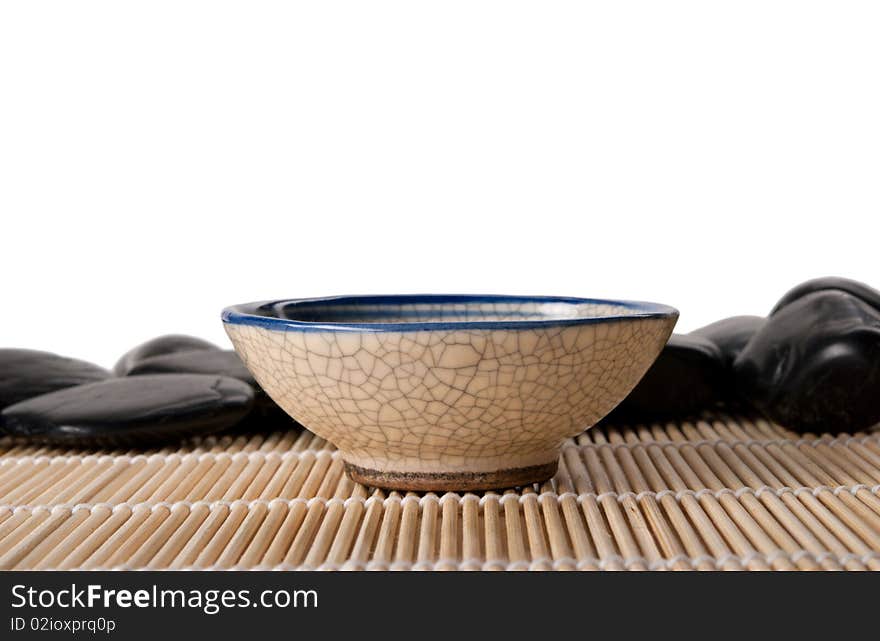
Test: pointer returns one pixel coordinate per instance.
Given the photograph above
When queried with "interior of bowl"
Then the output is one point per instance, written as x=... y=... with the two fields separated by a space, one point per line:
x=431 y=309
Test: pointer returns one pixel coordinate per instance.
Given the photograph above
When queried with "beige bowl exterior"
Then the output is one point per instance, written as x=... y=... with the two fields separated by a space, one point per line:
x=452 y=409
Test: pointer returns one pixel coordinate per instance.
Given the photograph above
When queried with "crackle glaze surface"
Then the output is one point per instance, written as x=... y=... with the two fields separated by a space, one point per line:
x=439 y=397
x=457 y=399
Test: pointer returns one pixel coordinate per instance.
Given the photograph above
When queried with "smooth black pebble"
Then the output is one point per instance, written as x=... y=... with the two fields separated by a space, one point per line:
x=25 y=373
x=688 y=377
x=168 y=344
x=815 y=365
x=221 y=363
x=731 y=334
x=864 y=292
x=146 y=410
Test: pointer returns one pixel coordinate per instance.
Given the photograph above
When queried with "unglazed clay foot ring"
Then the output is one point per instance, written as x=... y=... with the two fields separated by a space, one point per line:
x=453 y=481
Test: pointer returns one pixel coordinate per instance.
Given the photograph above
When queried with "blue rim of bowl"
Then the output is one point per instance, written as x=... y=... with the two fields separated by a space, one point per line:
x=254 y=314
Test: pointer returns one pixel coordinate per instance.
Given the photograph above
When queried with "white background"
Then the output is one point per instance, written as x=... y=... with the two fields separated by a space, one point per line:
x=160 y=160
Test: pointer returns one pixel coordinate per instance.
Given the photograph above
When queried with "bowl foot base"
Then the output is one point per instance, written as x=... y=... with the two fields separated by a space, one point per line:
x=452 y=481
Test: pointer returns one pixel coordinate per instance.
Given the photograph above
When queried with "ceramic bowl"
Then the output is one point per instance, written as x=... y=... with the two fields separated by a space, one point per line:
x=448 y=392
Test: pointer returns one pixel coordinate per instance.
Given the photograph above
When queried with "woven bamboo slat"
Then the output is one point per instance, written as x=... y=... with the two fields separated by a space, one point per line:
x=725 y=492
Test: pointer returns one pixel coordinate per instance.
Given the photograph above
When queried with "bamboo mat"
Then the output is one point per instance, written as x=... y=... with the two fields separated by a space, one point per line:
x=718 y=493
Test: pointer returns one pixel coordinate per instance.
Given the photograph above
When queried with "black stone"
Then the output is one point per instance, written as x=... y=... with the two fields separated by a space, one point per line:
x=815 y=365
x=162 y=345
x=220 y=363
x=25 y=373
x=217 y=362
x=731 y=334
x=146 y=410
x=830 y=283
x=687 y=378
